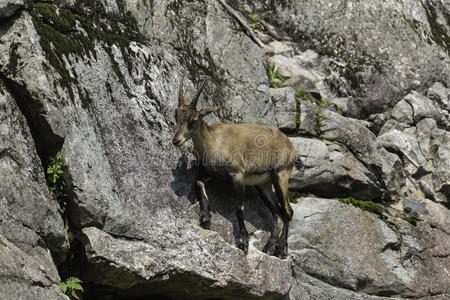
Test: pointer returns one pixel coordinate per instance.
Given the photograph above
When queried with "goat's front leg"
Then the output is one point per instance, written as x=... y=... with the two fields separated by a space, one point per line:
x=205 y=213
x=239 y=190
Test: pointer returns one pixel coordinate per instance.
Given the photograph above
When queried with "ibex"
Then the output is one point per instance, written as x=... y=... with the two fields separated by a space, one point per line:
x=248 y=154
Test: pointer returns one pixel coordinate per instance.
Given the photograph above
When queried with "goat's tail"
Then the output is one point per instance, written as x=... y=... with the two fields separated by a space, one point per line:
x=298 y=163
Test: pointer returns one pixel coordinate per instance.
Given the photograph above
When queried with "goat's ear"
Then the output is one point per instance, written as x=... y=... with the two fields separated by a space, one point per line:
x=208 y=110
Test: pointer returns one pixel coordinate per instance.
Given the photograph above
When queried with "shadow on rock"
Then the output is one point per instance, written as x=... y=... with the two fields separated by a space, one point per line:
x=222 y=203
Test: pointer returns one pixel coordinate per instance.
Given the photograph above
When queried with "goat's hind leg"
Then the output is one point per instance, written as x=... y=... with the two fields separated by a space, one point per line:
x=266 y=194
x=239 y=190
x=280 y=181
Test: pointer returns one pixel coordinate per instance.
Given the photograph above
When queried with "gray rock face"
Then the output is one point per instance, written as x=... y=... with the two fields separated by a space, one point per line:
x=223 y=268
x=363 y=144
x=424 y=151
x=333 y=171
x=27 y=274
x=9 y=7
x=285 y=106
x=374 y=48
x=30 y=224
x=415 y=107
x=440 y=94
x=98 y=81
x=114 y=115
x=350 y=252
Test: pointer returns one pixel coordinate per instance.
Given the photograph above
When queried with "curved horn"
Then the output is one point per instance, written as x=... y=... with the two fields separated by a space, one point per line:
x=181 y=92
x=193 y=104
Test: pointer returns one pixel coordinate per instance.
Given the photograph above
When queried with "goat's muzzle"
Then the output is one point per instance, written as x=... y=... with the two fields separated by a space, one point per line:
x=177 y=142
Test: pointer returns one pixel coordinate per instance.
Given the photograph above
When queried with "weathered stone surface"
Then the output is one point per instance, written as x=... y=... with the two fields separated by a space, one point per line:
x=439 y=93
x=27 y=274
x=285 y=107
x=214 y=43
x=362 y=143
x=225 y=271
x=407 y=147
x=306 y=287
x=114 y=117
x=302 y=71
x=415 y=107
x=385 y=167
x=434 y=144
x=377 y=50
x=25 y=201
x=105 y=98
x=349 y=248
x=332 y=171
x=9 y=7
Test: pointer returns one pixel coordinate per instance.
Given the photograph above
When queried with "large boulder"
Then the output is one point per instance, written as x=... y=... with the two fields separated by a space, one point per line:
x=415 y=107
x=331 y=170
x=350 y=251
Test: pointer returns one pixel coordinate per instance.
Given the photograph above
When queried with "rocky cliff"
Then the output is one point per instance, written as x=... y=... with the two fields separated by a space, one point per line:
x=91 y=186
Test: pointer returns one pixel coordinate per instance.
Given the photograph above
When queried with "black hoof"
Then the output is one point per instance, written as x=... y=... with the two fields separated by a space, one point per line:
x=205 y=217
x=242 y=244
x=283 y=254
x=269 y=248
x=280 y=251
x=205 y=225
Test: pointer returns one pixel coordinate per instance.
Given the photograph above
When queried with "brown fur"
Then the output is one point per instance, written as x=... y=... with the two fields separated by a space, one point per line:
x=248 y=154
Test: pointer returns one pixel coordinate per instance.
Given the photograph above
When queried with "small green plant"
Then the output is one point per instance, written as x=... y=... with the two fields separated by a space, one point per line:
x=319 y=117
x=255 y=21
x=364 y=205
x=293 y=196
x=72 y=284
x=302 y=94
x=413 y=221
x=275 y=74
x=329 y=103
x=55 y=176
x=298 y=118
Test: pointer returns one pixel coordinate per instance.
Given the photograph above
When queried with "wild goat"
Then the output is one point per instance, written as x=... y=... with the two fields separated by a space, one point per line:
x=248 y=154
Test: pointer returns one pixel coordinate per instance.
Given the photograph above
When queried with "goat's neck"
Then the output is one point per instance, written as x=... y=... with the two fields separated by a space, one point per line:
x=201 y=138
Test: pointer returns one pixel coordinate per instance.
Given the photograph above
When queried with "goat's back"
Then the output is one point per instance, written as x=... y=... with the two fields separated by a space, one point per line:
x=259 y=148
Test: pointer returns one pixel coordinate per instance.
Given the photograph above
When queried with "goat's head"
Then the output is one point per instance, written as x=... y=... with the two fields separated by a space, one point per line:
x=187 y=115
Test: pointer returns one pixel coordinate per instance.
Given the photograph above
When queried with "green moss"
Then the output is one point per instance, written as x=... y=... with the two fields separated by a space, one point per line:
x=58 y=18
x=60 y=36
x=293 y=196
x=302 y=94
x=413 y=221
x=364 y=205
x=53 y=27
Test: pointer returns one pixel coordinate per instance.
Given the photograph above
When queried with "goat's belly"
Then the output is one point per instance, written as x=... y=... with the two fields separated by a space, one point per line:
x=256 y=179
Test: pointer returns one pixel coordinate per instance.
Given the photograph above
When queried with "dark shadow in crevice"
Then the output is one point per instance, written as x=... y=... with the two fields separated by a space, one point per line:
x=8 y=22
x=47 y=142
